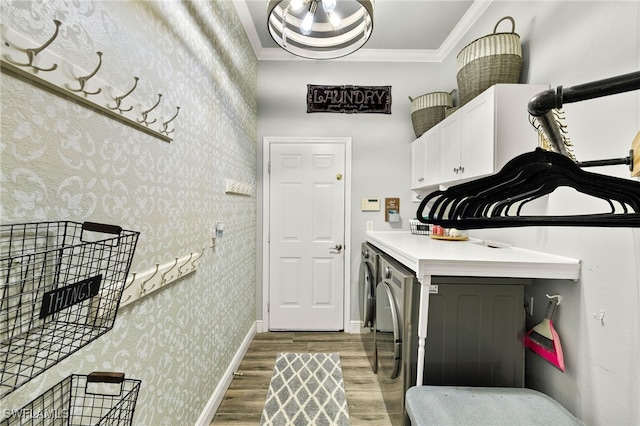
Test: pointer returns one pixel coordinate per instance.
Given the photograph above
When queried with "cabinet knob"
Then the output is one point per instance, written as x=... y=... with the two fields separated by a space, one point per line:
x=461 y=169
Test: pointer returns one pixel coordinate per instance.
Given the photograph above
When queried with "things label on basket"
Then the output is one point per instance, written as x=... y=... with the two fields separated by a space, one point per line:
x=61 y=298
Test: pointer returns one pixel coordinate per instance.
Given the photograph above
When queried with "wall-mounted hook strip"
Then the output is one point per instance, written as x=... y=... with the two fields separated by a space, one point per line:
x=193 y=263
x=164 y=279
x=83 y=80
x=32 y=53
x=119 y=99
x=556 y=296
x=166 y=123
x=126 y=286
x=183 y=265
x=145 y=114
x=143 y=289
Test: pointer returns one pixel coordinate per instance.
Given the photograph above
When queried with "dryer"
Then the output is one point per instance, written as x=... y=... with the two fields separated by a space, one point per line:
x=368 y=279
x=393 y=325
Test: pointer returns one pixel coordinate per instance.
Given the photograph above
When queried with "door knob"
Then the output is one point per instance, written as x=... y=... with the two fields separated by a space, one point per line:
x=337 y=247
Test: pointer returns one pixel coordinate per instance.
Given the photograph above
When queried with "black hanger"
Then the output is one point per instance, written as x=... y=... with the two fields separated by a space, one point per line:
x=487 y=202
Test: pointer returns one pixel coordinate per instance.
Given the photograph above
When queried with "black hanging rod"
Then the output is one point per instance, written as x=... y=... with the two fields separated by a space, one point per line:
x=550 y=99
x=611 y=162
x=542 y=104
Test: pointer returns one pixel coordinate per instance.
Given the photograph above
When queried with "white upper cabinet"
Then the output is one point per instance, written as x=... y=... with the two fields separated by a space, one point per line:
x=425 y=159
x=477 y=139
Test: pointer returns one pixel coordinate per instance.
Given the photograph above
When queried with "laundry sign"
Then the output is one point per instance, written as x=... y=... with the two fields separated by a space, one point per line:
x=349 y=99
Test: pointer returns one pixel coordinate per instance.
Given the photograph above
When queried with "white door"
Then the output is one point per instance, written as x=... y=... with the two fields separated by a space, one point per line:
x=306 y=236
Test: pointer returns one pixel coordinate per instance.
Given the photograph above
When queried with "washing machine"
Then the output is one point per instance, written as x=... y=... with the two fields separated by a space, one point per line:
x=366 y=293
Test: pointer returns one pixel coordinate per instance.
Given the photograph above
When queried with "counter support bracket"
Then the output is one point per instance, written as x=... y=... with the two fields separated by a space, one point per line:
x=423 y=318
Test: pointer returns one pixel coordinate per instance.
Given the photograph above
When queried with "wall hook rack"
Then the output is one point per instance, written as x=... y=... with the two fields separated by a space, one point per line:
x=193 y=263
x=87 y=90
x=183 y=265
x=127 y=286
x=143 y=289
x=158 y=276
x=119 y=99
x=33 y=52
x=166 y=123
x=164 y=279
x=145 y=114
x=83 y=80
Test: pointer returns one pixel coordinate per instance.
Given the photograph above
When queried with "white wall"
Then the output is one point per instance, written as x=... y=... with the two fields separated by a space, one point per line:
x=570 y=43
x=380 y=143
x=564 y=43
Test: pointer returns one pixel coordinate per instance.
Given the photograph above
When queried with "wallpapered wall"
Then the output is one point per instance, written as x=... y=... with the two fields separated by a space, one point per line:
x=63 y=161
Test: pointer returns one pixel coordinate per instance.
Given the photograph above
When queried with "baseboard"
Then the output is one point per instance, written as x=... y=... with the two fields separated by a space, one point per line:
x=259 y=325
x=218 y=394
x=355 y=327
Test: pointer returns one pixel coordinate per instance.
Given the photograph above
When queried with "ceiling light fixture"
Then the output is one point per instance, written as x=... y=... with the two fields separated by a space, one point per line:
x=338 y=28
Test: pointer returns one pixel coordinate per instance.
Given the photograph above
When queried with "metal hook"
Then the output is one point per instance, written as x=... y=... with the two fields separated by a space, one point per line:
x=83 y=80
x=599 y=316
x=133 y=278
x=32 y=53
x=143 y=290
x=166 y=123
x=183 y=265
x=164 y=280
x=119 y=99
x=193 y=264
x=557 y=296
x=146 y=113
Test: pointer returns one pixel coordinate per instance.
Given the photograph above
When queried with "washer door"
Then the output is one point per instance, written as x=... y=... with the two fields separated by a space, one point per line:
x=367 y=301
x=388 y=332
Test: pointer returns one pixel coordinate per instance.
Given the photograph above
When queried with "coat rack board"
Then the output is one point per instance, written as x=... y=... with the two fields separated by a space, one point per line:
x=46 y=69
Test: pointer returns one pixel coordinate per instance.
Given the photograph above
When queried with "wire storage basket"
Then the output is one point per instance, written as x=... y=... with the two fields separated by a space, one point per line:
x=492 y=59
x=60 y=288
x=418 y=228
x=98 y=398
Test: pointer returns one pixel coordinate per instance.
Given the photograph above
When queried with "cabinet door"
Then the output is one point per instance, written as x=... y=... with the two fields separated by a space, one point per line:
x=477 y=142
x=450 y=148
x=418 y=152
x=433 y=154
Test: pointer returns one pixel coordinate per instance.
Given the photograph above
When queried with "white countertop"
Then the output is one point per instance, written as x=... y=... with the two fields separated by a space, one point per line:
x=427 y=256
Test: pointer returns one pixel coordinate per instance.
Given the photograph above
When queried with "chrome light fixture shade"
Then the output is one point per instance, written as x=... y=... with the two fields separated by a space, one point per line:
x=333 y=33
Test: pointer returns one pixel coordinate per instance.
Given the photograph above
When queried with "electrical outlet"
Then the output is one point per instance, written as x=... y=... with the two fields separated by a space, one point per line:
x=528 y=304
x=369 y=225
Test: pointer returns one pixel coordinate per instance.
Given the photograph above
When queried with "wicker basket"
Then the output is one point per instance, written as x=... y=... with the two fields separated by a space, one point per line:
x=449 y=111
x=428 y=110
x=489 y=60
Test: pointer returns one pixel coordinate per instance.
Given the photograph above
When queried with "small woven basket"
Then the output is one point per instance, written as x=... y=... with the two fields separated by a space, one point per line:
x=492 y=59
x=449 y=111
x=428 y=110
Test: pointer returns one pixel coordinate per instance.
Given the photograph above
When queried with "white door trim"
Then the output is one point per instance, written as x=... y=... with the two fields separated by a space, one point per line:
x=266 y=142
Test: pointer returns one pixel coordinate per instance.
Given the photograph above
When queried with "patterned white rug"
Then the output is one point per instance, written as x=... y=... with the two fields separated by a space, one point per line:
x=306 y=389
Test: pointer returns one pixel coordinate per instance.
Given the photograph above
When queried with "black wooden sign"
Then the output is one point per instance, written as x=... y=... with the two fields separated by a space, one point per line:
x=61 y=298
x=349 y=99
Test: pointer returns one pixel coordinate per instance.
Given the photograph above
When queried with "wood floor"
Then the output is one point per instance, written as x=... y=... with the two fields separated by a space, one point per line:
x=243 y=402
